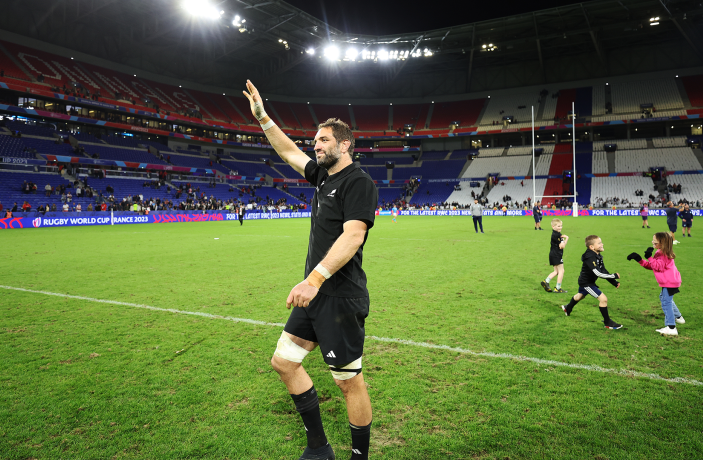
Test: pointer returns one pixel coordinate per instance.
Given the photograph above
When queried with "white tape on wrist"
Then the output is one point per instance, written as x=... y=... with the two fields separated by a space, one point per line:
x=270 y=124
x=323 y=271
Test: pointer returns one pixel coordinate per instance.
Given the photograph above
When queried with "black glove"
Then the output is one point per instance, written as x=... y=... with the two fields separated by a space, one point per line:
x=648 y=252
x=634 y=256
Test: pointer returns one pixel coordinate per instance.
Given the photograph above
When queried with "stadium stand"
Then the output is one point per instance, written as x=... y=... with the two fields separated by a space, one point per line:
x=287 y=171
x=378 y=172
x=598 y=100
x=30 y=129
x=302 y=113
x=122 y=154
x=251 y=169
x=443 y=169
x=691 y=187
x=398 y=160
x=14 y=147
x=403 y=174
x=11 y=189
x=197 y=162
x=465 y=112
x=517 y=190
x=11 y=69
x=500 y=106
x=694 y=89
x=600 y=163
x=308 y=192
x=490 y=152
x=325 y=111
x=56 y=70
x=286 y=115
x=623 y=144
x=481 y=167
x=410 y=114
x=551 y=102
x=662 y=93
x=622 y=187
x=542 y=165
x=434 y=155
x=674 y=141
x=210 y=103
x=228 y=107
x=85 y=137
x=47 y=146
x=439 y=192
x=520 y=150
x=371 y=117
x=389 y=194
x=673 y=159
x=463 y=196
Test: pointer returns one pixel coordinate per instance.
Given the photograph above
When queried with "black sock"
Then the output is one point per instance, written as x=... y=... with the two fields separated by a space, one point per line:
x=604 y=312
x=361 y=438
x=672 y=327
x=571 y=305
x=308 y=406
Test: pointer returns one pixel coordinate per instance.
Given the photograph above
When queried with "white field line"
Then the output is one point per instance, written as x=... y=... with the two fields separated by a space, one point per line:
x=486 y=354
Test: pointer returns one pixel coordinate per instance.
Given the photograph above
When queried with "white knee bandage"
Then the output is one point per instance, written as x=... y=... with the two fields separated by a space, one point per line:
x=346 y=372
x=288 y=350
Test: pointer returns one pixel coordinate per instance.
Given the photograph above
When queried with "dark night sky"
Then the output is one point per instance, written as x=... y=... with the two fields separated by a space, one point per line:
x=379 y=17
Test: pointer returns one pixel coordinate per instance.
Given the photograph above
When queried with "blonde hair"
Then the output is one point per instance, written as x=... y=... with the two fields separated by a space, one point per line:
x=666 y=244
x=556 y=221
x=590 y=239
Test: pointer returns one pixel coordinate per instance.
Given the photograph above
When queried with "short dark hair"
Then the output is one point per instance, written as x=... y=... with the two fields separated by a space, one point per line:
x=590 y=240
x=341 y=132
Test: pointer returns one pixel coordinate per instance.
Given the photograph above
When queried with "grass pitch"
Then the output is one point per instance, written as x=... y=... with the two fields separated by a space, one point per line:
x=87 y=380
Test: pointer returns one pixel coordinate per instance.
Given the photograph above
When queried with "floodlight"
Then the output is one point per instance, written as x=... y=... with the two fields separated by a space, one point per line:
x=352 y=53
x=310 y=51
x=202 y=9
x=332 y=52
x=484 y=46
x=383 y=55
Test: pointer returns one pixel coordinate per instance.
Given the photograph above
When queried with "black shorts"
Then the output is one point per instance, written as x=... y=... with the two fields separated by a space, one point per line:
x=591 y=290
x=644 y=217
x=335 y=323
x=555 y=259
x=688 y=224
x=672 y=228
x=538 y=219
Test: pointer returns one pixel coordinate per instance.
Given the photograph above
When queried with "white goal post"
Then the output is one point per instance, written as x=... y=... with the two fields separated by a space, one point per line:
x=536 y=197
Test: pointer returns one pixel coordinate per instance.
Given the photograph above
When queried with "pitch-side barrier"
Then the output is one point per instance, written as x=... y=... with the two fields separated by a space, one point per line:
x=82 y=219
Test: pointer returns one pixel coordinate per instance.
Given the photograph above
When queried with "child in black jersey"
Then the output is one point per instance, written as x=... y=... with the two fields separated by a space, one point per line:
x=556 y=257
x=591 y=270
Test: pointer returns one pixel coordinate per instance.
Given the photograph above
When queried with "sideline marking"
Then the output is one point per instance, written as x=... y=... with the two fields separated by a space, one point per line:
x=586 y=367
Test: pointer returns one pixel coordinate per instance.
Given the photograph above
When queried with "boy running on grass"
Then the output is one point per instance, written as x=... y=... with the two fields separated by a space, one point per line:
x=556 y=257
x=591 y=270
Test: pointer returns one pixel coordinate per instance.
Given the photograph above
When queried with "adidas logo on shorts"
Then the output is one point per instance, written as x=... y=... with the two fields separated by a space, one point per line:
x=356 y=451
x=331 y=354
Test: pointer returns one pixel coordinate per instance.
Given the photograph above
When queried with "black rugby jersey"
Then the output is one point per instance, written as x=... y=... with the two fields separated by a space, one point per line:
x=593 y=268
x=554 y=248
x=348 y=195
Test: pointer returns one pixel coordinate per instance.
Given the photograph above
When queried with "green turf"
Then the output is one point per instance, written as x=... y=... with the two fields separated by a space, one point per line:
x=87 y=380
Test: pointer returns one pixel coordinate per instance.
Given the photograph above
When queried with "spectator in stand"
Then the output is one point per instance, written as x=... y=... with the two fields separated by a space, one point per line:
x=90 y=208
x=65 y=207
x=78 y=207
x=1 y=207
x=69 y=197
x=26 y=207
x=53 y=207
x=103 y=207
x=14 y=208
x=47 y=189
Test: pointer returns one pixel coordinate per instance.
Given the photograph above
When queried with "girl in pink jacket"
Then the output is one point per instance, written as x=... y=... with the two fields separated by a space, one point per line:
x=668 y=277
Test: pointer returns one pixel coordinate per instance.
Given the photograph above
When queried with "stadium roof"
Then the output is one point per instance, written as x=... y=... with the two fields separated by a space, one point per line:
x=574 y=42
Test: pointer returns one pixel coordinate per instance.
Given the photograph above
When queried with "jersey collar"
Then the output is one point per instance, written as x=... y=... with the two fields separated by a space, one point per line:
x=343 y=173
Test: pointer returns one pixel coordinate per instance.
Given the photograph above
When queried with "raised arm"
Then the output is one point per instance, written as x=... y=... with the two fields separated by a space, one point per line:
x=286 y=149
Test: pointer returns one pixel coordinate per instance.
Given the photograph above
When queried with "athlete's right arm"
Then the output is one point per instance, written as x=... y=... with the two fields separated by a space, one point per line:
x=286 y=149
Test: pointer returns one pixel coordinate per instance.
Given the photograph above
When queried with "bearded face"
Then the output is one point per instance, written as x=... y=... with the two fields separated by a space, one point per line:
x=329 y=156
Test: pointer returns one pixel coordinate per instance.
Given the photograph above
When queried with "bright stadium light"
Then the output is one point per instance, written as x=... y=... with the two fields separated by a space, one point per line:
x=351 y=54
x=310 y=51
x=383 y=55
x=332 y=53
x=202 y=9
